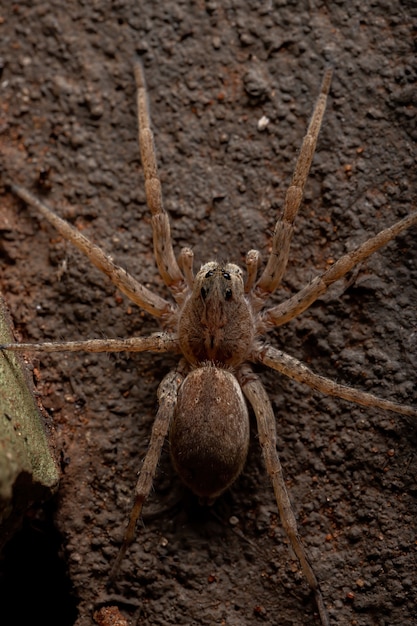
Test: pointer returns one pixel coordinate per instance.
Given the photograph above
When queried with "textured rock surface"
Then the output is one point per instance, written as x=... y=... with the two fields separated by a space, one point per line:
x=214 y=70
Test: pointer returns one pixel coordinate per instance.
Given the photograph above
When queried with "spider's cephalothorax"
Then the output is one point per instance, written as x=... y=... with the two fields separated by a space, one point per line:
x=214 y=324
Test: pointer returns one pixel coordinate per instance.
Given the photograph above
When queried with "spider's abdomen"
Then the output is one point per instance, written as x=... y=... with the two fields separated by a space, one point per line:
x=216 y=323
x=209 y=435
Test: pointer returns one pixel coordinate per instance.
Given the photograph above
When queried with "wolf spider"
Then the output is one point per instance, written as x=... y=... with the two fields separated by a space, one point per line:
x=217 y=323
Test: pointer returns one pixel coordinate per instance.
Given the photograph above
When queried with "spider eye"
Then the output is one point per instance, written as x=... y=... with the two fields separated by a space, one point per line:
x=209 y=274
x=228 y=294
x=226 y=275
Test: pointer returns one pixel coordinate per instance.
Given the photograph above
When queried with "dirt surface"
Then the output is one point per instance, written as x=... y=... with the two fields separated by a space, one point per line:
x=68 y=122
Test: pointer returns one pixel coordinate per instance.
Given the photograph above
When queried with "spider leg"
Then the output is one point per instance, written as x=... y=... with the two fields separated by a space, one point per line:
x=167 y=397
x=135 y=291
x=253 y=259
x=278 y=258
x=164 y=254
x=278 y=315
x=258 y=398
x=158 y=342
x=185 y=261
x=291 y=367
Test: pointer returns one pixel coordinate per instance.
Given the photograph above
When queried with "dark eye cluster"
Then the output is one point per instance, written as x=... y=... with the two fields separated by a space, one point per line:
x=228 y=292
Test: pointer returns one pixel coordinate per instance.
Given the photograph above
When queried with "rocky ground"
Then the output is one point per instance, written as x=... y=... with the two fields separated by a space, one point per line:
x=69 y=131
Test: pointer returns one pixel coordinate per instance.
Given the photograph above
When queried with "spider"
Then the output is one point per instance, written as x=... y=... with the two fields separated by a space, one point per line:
x=217 y=323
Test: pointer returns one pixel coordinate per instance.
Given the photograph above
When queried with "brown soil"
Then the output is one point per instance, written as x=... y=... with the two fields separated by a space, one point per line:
x=68 y=124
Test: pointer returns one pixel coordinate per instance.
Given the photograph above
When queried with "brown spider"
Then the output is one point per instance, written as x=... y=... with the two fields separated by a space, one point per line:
x=216 y=324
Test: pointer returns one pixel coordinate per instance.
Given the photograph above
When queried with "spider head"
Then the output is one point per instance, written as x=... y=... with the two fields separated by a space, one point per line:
x=216 y=322
x=216 y=283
